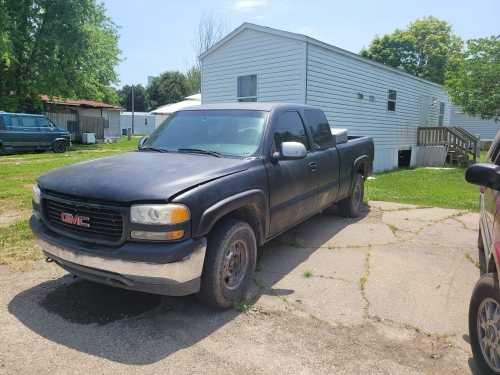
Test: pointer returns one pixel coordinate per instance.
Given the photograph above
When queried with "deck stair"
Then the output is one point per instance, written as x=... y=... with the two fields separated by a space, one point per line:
x=462 y=146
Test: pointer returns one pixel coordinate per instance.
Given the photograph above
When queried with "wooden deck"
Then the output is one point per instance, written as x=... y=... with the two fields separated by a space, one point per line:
x=460 y=144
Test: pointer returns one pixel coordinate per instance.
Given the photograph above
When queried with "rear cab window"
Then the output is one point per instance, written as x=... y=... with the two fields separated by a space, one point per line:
x=319 y=129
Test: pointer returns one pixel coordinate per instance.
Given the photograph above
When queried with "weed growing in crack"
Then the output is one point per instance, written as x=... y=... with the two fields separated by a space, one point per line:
x=308 y=274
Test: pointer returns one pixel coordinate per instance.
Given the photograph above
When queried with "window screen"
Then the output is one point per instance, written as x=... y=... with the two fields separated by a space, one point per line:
x=247 y=88
x=319 y=127
x=290 y=128
x=391 y=100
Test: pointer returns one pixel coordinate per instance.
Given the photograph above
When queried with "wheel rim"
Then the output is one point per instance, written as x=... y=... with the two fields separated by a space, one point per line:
x=235 y=264
x=488 y=330
x=59 y=147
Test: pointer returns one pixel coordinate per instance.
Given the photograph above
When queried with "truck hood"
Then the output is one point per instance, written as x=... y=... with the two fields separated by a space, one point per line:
x=139 y=176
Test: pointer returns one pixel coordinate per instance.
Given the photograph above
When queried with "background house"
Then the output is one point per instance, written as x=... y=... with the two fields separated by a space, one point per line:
x=80 y=116
x=144 y=122
x=166 y=110
x=256 y=63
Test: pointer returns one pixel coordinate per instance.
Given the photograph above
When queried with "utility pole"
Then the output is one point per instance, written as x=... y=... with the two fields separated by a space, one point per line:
x=133 y=108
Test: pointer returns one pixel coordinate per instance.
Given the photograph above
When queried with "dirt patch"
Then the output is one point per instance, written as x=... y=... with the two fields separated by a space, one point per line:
x=12 y=216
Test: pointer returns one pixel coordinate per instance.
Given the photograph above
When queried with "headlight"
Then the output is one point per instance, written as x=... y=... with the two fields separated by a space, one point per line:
x=36 y=194
x=159 y=214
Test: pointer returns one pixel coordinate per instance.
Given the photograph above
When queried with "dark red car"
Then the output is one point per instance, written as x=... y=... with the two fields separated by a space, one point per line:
x=484 y=309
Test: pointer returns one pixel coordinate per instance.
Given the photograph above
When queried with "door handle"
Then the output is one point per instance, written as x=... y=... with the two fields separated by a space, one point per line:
x=313 y=166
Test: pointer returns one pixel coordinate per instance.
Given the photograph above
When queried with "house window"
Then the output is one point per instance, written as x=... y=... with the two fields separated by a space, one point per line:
x=247 y=88
x=391 y=100
x=441 y=113
x=371 y=99
x=360 y=96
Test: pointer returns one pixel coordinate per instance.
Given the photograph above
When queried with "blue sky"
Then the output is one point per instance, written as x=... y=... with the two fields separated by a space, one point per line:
x=158 y=35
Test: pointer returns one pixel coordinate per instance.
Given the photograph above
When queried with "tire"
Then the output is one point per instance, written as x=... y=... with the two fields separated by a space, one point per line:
x=60 y=147
x=485 y=294
x=218 y=289
x=481 y=255
x=351 y=206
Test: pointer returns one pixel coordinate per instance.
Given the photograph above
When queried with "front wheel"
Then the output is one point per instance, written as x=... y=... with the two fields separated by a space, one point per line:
x=229 y=264
x=484 y=324
x=60 y=146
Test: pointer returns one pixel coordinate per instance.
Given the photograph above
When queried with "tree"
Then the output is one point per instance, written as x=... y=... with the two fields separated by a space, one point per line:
x=473 y=78
x=140 y=102
x=65 y=48
x=423 y=49
x=168 y=87
x=210 y=30
x=193 y=78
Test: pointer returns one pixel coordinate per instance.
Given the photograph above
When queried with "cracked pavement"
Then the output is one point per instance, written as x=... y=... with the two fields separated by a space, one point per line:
x=386 y=293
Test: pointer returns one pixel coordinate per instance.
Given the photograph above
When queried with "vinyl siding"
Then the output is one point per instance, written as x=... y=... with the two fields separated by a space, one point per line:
x=333 y=83
x=278 y=62
x=485 y=129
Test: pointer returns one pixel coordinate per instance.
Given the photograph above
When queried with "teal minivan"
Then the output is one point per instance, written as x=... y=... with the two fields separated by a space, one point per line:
x=25 y=132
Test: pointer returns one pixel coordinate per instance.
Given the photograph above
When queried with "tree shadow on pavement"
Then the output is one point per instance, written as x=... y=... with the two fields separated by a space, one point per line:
x=138 y=328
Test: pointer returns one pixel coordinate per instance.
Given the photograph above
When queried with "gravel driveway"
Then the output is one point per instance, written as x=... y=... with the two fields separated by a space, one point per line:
x=384 y=294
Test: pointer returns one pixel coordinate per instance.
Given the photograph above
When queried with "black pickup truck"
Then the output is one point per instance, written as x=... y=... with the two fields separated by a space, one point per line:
x=186 y=212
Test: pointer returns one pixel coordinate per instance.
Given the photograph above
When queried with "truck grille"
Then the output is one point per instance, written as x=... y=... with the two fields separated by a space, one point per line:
x=101 y=224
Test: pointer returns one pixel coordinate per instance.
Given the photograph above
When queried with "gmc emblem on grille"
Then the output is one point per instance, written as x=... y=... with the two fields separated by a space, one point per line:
x=81 y=221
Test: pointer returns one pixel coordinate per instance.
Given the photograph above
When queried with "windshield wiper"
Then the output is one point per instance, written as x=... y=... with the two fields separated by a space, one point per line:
x=153 y=149
x=199 y=151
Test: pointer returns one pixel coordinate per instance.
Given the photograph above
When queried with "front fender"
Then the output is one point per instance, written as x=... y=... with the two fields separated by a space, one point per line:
x=253 y=199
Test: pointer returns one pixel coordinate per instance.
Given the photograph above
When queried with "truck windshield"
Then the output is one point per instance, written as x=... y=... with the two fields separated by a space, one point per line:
x=217 y=132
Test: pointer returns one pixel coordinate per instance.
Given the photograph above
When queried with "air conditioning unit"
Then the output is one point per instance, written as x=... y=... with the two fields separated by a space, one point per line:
x=88 y=138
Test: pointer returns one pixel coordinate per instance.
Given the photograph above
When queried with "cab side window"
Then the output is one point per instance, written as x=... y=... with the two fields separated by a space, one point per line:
x=12 y=122
x=43 y=122
x=319 y=129
x=29 y=122
x=290 y=128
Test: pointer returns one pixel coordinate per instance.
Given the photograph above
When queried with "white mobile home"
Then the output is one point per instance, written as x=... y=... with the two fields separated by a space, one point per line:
x=256 y=63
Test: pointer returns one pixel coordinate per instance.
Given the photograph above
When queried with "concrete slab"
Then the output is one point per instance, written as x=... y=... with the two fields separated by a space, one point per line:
x=389 y=206
x=428 y=288
x=384 y=294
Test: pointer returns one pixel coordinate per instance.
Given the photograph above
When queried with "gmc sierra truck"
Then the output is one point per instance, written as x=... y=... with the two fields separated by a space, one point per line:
x=187 y=211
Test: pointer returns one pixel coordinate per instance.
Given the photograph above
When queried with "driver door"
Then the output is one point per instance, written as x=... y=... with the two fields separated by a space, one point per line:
x=290 y=199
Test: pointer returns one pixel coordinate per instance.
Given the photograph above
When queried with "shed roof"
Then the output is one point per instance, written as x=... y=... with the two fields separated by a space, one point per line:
x=308 y=39
x=79 y=103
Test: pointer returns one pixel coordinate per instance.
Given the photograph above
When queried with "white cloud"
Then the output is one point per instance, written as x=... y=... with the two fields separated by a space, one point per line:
x=249 y=5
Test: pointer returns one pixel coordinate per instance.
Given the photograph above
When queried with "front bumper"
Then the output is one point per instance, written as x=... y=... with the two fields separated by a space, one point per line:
x=160 y=274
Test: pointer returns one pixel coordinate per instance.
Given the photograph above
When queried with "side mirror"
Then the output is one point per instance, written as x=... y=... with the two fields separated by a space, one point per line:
x=484 y=174
x=291 y=151
x=141 y=142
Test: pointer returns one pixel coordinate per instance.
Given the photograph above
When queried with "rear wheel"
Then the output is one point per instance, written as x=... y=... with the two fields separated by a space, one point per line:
x=60 y=146
x=229 y=264
x=484 y=324
x=351 y=206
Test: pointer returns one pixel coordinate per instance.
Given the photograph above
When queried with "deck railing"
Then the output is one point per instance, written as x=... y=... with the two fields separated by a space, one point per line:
x=450 y=136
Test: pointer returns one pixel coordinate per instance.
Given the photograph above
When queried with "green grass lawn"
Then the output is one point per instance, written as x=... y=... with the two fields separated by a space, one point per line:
x=425 y=187
x=17 y=176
